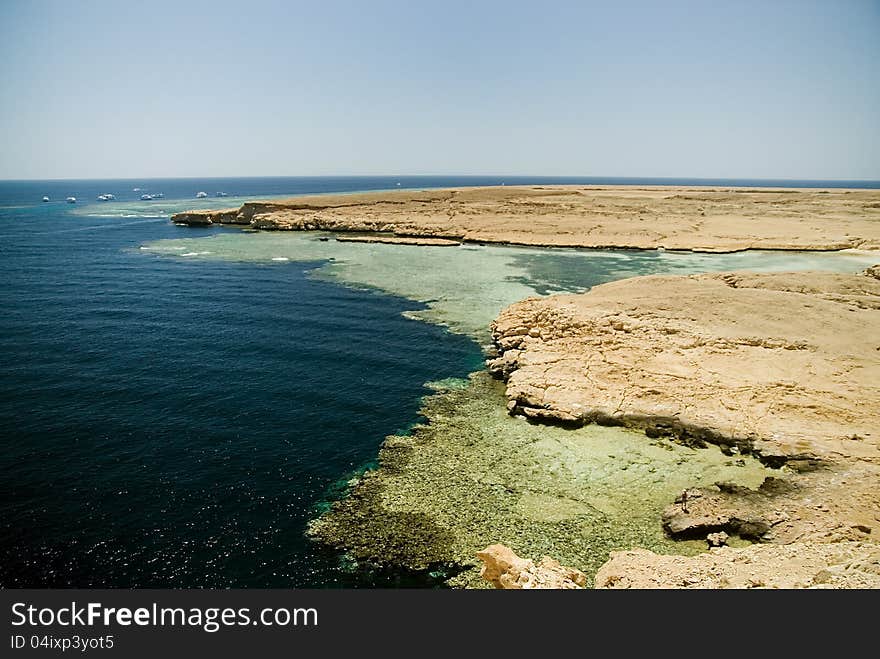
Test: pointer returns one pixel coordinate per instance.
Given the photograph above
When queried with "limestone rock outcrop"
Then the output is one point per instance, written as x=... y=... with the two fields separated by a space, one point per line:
x=504 y=569
x=784 y=364
x=799 y=565
x=698 y=219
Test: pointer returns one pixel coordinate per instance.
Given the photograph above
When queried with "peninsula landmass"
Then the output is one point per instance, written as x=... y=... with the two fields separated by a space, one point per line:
x=675 y=218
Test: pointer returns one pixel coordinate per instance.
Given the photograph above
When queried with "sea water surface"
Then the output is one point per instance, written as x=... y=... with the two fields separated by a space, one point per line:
x=176 y=403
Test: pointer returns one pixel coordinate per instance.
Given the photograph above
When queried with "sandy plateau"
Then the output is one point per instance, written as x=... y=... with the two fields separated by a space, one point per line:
x=699 y=219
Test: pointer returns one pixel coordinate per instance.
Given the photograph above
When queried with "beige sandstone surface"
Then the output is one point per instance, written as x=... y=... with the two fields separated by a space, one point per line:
x=797 y=565
x=785 y=366
x=800 y=565
x=505 y=570
x=689 y=218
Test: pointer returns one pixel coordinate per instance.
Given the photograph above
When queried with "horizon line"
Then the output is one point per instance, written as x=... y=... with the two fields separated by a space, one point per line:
x=490 y=175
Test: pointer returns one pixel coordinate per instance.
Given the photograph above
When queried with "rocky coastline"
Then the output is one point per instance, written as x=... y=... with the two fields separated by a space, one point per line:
x=781 y=364
x=684 y=362
x=697 y=219
x=784 y=367
x=472 y=475
x=622 y=431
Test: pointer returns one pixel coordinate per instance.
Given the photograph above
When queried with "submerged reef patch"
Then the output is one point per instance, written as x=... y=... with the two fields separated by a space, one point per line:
x=473 y=476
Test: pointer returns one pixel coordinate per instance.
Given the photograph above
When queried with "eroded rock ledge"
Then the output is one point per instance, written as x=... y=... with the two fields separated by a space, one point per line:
x=786 y=365
x=686 y=218
x=799 y=565
x=505 y=570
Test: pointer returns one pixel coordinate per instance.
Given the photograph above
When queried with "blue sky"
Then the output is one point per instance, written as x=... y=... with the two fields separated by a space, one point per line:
x=692 y=89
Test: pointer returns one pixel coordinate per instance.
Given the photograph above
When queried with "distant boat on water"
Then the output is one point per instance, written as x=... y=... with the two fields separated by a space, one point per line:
x=106 y=197
x=201 y=195
x=71 y=200
x=159 y=195
x=146 y=197
x=135 y=189
x=222 y=194
x=45 y=198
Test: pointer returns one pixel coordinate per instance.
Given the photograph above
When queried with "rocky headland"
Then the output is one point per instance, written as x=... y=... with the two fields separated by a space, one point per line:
x=659 y=415
x=785 y=367
x=681 y=218
x=714 y=430
x=783 y=364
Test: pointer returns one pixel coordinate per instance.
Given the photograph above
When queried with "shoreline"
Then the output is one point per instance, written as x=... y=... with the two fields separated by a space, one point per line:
x=812 y=502
x=459 y=482
x=390 y=518
x=676 y=218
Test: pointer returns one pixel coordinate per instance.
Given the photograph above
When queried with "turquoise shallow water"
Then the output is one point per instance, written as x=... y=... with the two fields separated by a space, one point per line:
x=173 y=421
x=464 y=288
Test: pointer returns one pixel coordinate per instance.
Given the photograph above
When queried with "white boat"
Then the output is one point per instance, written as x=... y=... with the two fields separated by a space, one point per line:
x=222 y=194
x=201 y=195
x=45 y=198
x=146 y=197
x=135 y=189
x=106 y=197
x=71 y=200
x=159 y=195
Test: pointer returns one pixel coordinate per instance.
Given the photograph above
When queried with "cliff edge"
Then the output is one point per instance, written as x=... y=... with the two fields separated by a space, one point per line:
x=784 y=366
x=684 y=218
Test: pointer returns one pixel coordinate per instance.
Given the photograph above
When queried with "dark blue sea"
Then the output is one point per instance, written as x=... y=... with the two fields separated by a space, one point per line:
x=172 y=423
